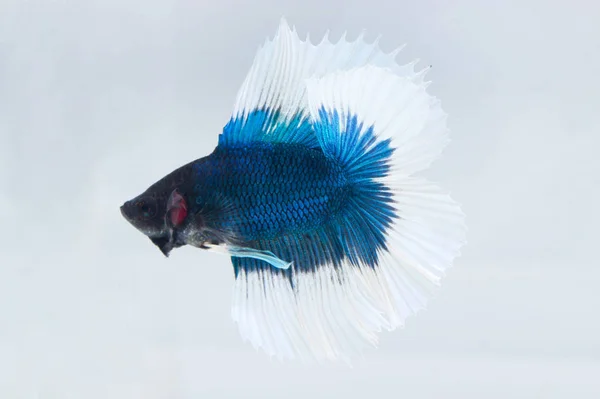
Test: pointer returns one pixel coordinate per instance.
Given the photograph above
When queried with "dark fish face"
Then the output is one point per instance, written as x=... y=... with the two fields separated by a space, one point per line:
x=146 y=213
x=159 y=216
x=161 y=212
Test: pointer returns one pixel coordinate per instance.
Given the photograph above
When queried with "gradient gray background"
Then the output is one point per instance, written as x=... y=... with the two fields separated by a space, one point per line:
x=98 y=99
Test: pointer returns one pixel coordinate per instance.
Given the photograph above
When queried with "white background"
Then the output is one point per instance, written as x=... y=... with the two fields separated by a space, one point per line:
x=99 y=99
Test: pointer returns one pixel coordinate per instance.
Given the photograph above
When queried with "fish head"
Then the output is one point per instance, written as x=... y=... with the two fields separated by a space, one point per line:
x=172 y=212
x=146 y=213
x=158 y=215
x=161 y=211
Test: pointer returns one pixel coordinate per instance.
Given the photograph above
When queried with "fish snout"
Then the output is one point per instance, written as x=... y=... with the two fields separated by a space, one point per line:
x=125 y=210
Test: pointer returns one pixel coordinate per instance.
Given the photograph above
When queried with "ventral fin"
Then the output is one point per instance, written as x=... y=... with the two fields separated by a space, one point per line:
x=163 y=243
x=267 y=256
x=240 y=253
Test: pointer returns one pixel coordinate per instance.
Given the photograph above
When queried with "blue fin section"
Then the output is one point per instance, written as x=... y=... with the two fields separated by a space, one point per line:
x=356 y=236
x=362 y=155
x=352 y=237
x=269 y=126
x=250 y=265
x=306 y=252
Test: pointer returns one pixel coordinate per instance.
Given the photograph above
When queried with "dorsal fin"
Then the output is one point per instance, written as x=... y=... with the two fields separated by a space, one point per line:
x=272 y=105
x=268 y=125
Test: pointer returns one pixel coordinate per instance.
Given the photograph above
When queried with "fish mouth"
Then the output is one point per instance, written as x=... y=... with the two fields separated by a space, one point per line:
x=124 y=213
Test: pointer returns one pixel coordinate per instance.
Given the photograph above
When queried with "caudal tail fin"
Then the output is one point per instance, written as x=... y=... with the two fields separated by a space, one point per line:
x=383 y=128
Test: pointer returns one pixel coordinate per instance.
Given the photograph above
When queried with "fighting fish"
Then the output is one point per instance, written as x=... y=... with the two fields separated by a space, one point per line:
x=313 y=193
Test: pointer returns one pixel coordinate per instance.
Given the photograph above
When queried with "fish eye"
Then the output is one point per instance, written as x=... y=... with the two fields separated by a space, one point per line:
x=146 y=208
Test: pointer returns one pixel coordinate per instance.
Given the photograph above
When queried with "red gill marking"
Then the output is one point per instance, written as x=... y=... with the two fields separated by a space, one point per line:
x=178 y=215
x=177 y=208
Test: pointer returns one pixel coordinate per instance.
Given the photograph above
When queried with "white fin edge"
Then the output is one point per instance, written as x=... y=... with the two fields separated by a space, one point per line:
x=398 y=107
x=276 y=79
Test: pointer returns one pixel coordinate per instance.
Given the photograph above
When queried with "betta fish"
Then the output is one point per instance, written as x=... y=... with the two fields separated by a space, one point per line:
x=312 y=193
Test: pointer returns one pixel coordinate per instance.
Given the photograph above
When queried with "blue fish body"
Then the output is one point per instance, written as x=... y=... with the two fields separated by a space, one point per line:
x=283 y=197
x=311 y=192
x=277 y=189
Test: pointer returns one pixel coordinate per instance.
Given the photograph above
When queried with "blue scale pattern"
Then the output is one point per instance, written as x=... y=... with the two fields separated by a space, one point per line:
x=274 y=189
